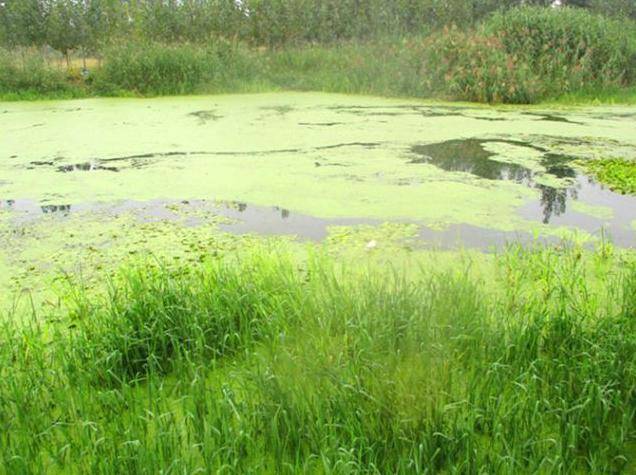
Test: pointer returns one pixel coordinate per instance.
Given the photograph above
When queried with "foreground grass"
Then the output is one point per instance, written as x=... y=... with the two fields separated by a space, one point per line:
x=269 y=365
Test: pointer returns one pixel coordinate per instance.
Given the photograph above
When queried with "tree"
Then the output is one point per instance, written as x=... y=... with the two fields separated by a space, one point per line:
x=65 y=26
x=23 y=22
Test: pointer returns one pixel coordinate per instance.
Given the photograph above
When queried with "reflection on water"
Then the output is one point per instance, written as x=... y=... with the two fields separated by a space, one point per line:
x=284 y=213
x=248 y=219
x=553 y=201
x=470 y=156
x=29 y=207
x=242 y=208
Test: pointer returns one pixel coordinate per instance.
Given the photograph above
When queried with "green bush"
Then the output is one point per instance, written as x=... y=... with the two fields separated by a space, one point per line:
x=526 y=54
x=160 y=69
x=570 y=48
x=474 y=67
x=28 y=74
x=619 y=174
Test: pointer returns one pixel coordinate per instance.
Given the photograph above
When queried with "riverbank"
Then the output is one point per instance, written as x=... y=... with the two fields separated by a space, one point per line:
x=571 y=57
x=388 y=68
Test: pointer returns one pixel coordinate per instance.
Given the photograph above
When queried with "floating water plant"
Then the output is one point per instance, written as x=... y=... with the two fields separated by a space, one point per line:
x=618 y=174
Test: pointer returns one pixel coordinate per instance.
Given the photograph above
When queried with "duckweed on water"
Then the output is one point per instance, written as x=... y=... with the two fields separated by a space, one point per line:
x=271 y=364
x=357 y=166
x=325 y=160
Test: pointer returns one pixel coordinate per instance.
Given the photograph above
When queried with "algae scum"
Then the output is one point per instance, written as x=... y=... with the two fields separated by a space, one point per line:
x=74 y=174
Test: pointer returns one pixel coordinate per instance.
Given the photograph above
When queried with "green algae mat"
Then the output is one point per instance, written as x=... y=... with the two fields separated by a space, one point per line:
x=84 y=183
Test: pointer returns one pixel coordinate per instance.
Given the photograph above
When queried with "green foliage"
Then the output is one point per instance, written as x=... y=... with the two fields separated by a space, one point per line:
x=270 y=365
x=569 y=48
x=188 y=21
x=383 y=67
x=155 y=69
x=520 y=55
x=528 y=54
x=618 y=174
x=278 y=22
x=66 y=29
x=159 y=317
x=595 y=96
x=23 y=23
x=474 y=67
x=28 y=74
x=615 y=8
x=88 y=23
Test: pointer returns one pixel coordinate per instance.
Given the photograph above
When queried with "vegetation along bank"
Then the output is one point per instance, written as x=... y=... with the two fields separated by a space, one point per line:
x=482 y=51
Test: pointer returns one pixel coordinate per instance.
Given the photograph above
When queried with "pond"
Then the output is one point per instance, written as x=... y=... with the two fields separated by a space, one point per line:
x=301 y=163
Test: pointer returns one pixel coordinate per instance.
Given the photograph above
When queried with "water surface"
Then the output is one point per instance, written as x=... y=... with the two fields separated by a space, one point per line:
x=301 y=163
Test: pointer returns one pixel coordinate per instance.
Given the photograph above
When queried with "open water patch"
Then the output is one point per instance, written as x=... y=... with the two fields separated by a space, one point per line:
x=553 y=205
x=241 y=218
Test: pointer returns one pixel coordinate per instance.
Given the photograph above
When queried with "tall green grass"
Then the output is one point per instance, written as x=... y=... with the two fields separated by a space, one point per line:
x=523 y=55
x=270 y=365
x=26 y=74
x=163 y=69
x=388 y=66
x=570 y=47
x=385 y=67
x=529 y=54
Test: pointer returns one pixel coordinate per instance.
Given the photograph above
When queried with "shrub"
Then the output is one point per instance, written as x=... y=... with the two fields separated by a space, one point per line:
x=159 y=69
x=569 y=47
x=526 y=54
x=28 y=73
x=474 y=67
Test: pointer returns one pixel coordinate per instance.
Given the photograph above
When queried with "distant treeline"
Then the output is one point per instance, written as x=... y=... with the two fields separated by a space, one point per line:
x=89 y=25
x=484 y=51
